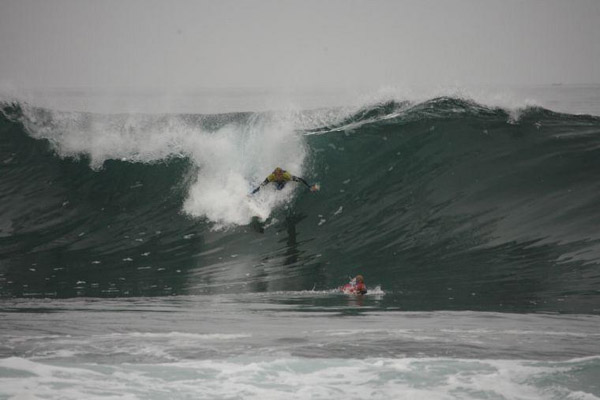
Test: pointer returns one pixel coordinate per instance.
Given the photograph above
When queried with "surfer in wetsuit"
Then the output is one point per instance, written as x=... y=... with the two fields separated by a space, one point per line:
x=356 y=286
x=280 y=177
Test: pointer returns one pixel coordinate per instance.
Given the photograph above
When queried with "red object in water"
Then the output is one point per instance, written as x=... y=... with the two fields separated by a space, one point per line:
x=358 y=288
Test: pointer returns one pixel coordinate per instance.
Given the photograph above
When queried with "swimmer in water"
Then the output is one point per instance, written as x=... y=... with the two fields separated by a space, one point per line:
x=355 y=286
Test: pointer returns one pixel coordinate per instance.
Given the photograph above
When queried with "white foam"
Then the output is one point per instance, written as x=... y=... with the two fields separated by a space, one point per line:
x=235 y=160
x=229 y=162
x=295 y=378
x=185 y=335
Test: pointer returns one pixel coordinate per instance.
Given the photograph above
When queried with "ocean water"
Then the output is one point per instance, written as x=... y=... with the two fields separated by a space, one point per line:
x=134 y=265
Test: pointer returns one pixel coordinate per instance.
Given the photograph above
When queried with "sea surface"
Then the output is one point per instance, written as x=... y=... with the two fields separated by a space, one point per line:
x=134 y=264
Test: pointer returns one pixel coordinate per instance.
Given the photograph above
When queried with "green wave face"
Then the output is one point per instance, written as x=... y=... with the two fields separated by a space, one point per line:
x=444 y=204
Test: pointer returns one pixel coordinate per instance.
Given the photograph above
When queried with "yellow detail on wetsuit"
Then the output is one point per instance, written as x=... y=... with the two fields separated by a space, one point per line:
x=286 y=176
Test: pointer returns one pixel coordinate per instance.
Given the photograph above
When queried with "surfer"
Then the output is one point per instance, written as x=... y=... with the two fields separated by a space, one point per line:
x=280 y=177
x=355 y=286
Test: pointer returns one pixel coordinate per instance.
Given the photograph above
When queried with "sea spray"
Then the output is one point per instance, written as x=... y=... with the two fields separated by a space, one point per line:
x=228 y=158
x=234 y=160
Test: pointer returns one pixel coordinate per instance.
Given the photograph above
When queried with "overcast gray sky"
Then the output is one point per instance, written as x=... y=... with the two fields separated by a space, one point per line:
x=297 y=44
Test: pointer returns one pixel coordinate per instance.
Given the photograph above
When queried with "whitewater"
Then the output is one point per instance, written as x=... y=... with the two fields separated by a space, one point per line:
x=135 y=265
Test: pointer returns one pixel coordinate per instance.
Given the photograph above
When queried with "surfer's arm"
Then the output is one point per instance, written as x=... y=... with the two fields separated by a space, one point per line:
x=261 y=185
x=298 y=179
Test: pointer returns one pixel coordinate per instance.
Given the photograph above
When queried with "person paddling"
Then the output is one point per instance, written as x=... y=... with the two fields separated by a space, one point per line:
x=355 y=286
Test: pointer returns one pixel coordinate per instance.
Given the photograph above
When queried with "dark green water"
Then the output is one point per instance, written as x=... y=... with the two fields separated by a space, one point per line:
x=445 y=204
